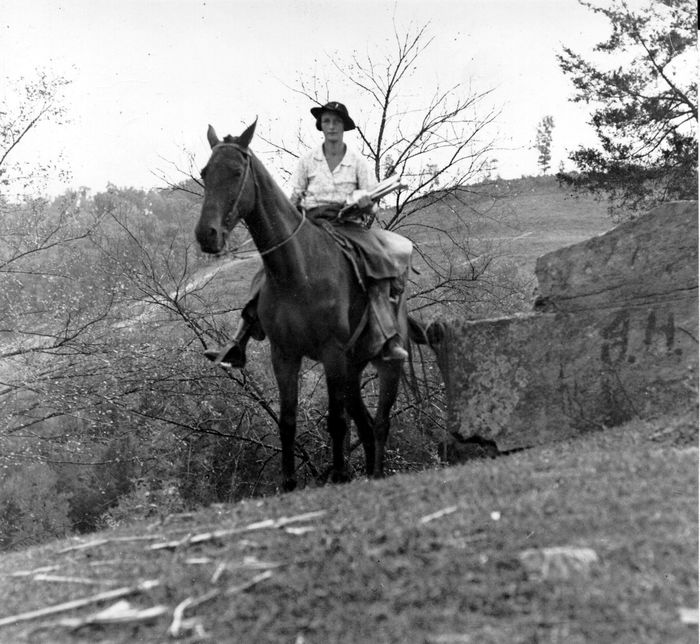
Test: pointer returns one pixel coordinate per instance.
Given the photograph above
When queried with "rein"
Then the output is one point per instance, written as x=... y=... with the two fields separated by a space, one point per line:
x=246 y=153
x=284 y=241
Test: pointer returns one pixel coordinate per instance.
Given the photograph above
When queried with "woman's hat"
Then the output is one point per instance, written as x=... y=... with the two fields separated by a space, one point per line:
x=337 y=108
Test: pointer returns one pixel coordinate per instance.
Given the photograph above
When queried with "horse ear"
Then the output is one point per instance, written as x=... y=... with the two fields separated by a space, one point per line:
x=211 y=136
x=247 y=136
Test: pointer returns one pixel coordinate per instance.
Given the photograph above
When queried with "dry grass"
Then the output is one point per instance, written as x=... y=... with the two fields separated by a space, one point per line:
x=369 y=569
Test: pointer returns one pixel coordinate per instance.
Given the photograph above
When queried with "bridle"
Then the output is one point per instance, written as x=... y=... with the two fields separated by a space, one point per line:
x=246 y=153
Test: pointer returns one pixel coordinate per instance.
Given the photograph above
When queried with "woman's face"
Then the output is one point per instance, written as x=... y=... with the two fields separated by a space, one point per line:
x=332 y=127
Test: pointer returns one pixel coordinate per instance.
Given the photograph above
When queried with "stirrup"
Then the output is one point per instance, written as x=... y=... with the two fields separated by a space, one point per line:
x=230 y=355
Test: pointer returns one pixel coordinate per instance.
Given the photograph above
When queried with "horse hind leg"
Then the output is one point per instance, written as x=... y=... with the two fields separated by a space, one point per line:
x=363 y=419
x=389 y=377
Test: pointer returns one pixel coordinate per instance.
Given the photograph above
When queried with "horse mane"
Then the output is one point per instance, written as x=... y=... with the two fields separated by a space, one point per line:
x=262 y=172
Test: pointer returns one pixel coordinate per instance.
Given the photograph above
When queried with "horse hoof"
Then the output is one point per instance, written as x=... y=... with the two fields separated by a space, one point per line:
x=234 y=357
x=340 y=477
x=289 y=485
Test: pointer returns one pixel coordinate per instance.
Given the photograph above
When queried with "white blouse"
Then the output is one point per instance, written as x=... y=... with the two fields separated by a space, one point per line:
x=313 y=183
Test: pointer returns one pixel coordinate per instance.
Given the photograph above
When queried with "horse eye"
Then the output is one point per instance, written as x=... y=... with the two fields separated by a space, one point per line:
x=202 y=172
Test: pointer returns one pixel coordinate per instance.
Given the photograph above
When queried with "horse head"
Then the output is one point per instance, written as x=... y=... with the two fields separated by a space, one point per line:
x=229 y=190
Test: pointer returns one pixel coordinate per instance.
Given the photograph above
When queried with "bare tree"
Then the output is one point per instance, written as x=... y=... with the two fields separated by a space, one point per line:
x=435 y=138
x=22 y=112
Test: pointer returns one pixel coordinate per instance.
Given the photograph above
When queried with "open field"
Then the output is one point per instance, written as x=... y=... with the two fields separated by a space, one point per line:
x=519 y=219
x=381 y=563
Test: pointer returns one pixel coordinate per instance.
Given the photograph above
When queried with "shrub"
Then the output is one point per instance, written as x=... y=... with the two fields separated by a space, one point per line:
x=143 y=502
x=93 y=489
x=32 y=509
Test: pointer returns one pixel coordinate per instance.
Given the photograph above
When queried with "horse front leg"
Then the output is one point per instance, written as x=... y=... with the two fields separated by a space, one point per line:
x=286 y=370
x=363 y=419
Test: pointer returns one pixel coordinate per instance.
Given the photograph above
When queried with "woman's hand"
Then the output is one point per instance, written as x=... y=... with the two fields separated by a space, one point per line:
x=361 y=200
x=364 y=202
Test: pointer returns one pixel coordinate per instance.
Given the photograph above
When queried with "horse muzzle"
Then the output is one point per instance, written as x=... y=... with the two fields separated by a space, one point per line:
x=214 y=226
x=212 y=239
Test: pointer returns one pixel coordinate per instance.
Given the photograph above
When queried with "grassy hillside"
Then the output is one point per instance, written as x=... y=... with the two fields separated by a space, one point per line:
x=521 y=219
x=455 y=555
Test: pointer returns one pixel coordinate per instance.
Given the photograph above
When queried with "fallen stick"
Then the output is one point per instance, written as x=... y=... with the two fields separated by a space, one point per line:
x=253 y=563
x=101 y=542
x=120 y=613
x=198 y=561
x=439 y=514
x=176 y=627
x=298 y=531
x=248 y=563
x=220 y=569
x=68 y=580
x=232 y=590
x=36 y=571
x=219 y=534
x=79 y=603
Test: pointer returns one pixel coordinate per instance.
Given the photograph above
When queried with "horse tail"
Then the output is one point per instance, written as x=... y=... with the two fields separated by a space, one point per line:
x=417 y=333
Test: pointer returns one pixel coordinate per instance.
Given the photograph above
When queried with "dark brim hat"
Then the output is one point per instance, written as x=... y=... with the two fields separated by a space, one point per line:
x=336 y=108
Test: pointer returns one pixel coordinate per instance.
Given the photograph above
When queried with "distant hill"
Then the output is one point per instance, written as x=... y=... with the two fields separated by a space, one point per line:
x=523 y=218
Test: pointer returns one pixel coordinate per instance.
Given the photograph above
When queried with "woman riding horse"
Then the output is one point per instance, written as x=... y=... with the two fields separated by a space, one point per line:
x=327 y=179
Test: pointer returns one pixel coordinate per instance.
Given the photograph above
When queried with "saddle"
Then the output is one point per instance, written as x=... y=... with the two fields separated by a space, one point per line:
x=374 y=254
x=348 y=249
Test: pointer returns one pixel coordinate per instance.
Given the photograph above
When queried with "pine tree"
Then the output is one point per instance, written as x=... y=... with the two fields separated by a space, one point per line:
x=644 y=93
x=543 y=143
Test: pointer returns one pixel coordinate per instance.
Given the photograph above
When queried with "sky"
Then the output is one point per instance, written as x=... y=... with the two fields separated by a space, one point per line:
x=148 y=76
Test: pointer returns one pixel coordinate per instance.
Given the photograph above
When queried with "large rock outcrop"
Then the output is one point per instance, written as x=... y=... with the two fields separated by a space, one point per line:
x=614 y=335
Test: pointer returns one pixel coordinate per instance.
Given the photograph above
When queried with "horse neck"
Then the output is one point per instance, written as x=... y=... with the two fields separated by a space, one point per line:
x=274 y=221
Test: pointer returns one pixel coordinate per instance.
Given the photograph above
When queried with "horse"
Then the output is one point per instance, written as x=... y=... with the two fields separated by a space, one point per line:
x=311 y=304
